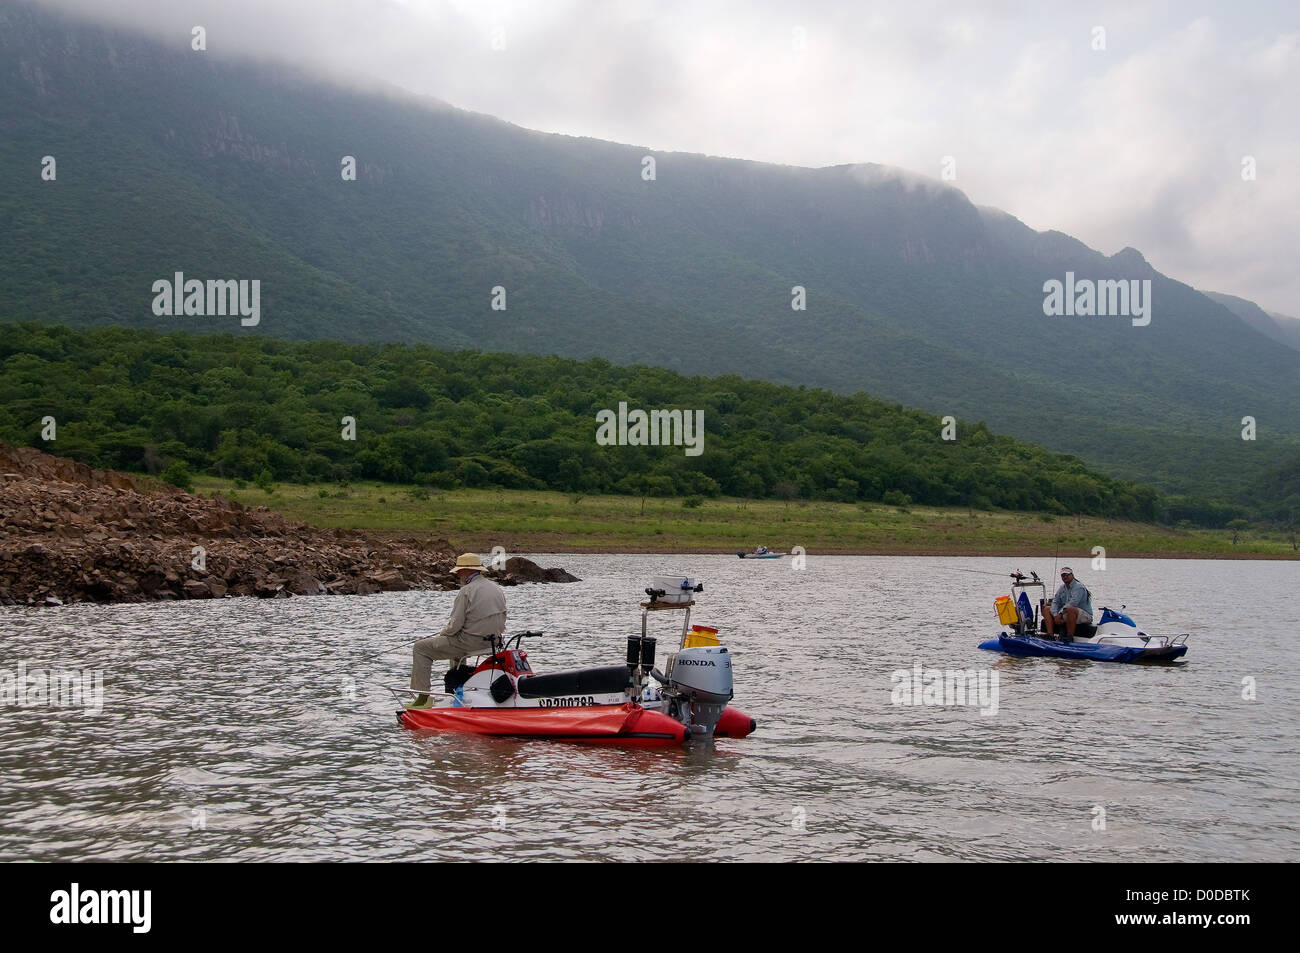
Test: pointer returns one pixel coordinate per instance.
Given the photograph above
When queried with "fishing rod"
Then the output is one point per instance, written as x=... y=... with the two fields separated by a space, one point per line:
x=1043 y=609
x=393 y=648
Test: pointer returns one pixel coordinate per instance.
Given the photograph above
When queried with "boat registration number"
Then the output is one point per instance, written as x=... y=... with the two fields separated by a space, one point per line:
x=575 y=701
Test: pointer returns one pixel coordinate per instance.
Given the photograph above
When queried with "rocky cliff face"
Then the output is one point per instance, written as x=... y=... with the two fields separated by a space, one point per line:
x=72 y=534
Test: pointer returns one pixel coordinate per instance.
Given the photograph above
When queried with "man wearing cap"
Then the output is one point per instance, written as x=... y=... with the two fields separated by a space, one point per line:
x=478 y=613
x=1072 y=605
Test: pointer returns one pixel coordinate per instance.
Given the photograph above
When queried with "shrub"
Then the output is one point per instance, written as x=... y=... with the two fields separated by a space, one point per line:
x=178 y=474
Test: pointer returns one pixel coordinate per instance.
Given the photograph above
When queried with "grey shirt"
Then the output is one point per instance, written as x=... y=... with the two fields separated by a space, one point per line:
x=479 y=609
x=1075 y=594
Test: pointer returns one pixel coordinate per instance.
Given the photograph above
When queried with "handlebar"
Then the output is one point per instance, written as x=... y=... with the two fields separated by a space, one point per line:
x=530 y=634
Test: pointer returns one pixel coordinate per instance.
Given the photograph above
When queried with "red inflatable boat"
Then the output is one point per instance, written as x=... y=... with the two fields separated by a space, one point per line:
x=616 y=704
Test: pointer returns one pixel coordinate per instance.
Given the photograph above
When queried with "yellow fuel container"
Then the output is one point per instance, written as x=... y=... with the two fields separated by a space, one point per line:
x=1006 y=607
x=701 y=635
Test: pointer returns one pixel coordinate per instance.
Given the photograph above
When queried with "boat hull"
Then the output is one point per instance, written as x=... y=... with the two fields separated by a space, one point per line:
x=1098 y=652
x=629 y=725
x=734 y=724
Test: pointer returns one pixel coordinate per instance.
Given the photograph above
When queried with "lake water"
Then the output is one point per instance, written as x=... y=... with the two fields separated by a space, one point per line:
x=259 y=730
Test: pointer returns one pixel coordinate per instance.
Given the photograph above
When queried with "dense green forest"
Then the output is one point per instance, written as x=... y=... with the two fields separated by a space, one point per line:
x=259 y=408
x=1278 y=494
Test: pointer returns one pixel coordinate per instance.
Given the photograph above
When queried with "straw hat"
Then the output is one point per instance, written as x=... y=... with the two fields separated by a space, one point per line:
x=469 y=561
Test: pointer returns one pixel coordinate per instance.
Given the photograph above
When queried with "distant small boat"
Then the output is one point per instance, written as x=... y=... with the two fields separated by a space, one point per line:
x=761 y=553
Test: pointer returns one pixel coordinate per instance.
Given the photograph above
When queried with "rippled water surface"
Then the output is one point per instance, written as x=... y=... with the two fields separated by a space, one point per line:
x=260 y=730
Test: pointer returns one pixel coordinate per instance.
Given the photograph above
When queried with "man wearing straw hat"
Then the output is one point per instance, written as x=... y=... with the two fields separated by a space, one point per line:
x=478 y=613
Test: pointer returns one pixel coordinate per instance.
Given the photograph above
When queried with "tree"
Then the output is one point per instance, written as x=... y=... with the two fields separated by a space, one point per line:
x=178 y=474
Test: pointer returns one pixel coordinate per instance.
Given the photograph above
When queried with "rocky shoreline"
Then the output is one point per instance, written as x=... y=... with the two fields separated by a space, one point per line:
x=69 y=533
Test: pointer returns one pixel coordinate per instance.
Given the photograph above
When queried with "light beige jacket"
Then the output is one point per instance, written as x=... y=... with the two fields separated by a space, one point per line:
x=479 y=610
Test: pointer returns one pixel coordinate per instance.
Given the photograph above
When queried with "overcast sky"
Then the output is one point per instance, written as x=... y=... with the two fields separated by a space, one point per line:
x=1140 y=143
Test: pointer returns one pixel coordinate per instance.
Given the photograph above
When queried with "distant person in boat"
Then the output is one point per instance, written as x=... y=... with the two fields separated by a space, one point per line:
x=1071 y=606
x=478 y=612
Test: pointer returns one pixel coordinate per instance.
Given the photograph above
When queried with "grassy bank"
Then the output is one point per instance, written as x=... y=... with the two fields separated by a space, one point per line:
x=532 y=521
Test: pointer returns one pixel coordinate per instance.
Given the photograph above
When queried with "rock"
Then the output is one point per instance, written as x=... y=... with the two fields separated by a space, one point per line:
x=268 y=586
x=68 y=532
x=305 y=584
x=390 y=581
x=518 y=570
x=99 y=589
x=523 y=570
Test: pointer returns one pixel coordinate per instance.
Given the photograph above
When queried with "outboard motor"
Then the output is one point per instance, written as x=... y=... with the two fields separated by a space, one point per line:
x=699 y=686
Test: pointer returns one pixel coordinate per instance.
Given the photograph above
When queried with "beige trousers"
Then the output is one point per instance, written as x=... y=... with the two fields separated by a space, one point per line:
x=455 y=648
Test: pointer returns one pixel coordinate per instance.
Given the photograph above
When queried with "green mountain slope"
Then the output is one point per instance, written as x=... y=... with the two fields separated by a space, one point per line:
x=1278 y=327
x=171 y=161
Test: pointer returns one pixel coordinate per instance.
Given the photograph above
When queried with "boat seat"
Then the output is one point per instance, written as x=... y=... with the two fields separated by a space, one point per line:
x=1082 y=633
x=583 y=681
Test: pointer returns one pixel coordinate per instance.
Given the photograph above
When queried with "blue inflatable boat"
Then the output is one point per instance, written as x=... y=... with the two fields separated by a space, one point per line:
x=1160 y=651
x=1115 y=637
